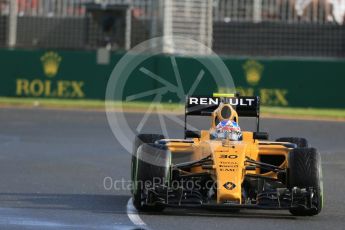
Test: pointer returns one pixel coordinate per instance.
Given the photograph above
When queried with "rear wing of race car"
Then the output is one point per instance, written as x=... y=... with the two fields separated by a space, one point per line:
x=205 y=105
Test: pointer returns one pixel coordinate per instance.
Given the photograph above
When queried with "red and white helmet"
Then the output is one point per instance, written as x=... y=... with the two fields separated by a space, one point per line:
x=227 y=129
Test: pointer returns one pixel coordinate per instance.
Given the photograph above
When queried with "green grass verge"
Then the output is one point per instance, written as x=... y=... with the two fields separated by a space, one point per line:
x=80 y=103
x=304 y=112
x=142 y=106
x=51 y=103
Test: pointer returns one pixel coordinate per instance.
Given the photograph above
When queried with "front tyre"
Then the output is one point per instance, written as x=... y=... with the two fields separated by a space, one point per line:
x=152 y=171
x=305 y=172
x=139 y=140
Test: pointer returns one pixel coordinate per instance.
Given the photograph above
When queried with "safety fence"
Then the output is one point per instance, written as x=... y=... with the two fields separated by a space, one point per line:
x=296 y=28
x=290 y=11
x=286 y=11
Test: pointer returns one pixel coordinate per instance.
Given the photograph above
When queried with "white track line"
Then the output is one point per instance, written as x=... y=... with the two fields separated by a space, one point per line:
x=133 y=214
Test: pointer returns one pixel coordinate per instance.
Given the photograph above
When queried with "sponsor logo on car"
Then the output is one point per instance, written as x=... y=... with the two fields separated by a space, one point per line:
x=229 y=185
x=216 y=101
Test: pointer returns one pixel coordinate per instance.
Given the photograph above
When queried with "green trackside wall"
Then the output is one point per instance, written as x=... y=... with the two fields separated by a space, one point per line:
x=76 y=75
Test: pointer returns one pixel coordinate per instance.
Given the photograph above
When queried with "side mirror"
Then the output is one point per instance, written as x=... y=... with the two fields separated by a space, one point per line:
x=260 y=135
x=191 y=134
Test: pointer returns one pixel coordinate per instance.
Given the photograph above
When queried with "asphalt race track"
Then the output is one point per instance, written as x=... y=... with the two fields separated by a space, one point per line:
x=53 y=164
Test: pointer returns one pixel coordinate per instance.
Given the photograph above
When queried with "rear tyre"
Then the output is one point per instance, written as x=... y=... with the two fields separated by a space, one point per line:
x=300 y=142
x=304 y=172
x=139 y=140
x=152 y=170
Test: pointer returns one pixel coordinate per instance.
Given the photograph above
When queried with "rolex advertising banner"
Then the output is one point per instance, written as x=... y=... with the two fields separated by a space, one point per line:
x=79 y=75
x=52 y=74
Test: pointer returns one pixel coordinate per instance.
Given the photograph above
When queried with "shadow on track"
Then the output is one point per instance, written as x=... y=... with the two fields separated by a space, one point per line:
x=252 y=214
x=83 y=202
x=117 y=204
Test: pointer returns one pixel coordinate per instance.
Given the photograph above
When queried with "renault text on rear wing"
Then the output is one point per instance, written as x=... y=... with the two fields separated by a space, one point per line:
x=204 y=106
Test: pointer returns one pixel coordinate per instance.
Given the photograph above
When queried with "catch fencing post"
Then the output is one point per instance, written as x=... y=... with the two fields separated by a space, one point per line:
x=12 y=24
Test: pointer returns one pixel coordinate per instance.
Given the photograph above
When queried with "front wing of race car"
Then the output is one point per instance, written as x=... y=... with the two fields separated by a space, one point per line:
x=267 y=199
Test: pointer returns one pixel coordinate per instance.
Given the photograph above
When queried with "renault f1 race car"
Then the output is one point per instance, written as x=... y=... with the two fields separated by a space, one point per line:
x=224 y=167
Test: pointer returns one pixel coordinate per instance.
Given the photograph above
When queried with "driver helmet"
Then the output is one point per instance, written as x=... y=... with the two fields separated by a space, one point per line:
x=228 y=129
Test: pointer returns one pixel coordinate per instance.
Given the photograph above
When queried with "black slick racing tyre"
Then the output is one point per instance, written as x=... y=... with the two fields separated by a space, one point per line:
x=304 y=171
x=152 y=171
x=139 y=140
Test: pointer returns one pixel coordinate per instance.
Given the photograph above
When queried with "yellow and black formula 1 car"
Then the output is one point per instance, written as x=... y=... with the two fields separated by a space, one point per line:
x=202 y=170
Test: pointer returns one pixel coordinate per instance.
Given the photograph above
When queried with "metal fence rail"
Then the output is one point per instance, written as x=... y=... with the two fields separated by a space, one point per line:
x=51 y=8
x=71 y=8
x=240 y=27
x=288 y=11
